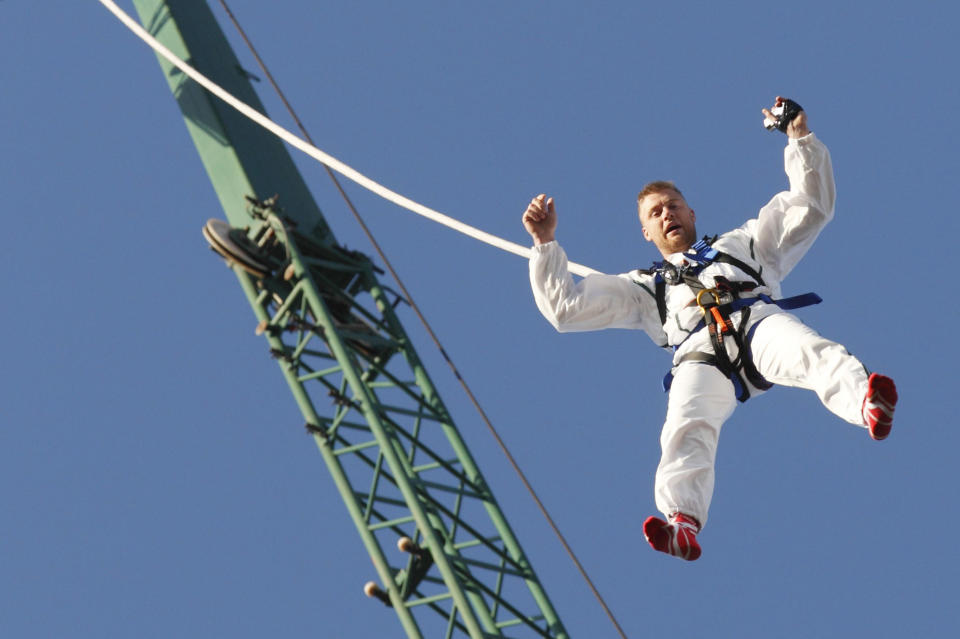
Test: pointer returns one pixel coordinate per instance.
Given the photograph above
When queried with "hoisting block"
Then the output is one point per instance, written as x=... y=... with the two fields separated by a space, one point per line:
x=372 y=590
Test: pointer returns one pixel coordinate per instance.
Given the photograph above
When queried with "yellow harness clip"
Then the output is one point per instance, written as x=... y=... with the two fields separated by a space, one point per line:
x=714 y=309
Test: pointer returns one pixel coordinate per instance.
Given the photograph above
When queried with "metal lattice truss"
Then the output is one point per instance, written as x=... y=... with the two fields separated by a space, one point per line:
x=392 y=448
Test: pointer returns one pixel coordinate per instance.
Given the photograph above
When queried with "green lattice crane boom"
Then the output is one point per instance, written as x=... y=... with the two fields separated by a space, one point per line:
x=390 y=444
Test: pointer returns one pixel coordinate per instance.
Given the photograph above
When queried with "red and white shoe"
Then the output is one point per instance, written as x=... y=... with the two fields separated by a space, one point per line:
x=878 y=405
x=677 y=538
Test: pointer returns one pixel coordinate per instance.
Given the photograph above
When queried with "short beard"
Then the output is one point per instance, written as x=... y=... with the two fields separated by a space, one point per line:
x=679 y=244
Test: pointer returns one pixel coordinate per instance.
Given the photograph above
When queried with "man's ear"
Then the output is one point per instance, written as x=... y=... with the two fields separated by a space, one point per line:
x=643 y=227
x=693 y=215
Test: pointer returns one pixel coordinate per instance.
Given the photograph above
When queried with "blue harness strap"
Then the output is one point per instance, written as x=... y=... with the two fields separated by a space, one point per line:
x=703 y=253
x=787 y=304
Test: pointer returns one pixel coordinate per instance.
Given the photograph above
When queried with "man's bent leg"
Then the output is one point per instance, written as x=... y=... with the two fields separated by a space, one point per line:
x=788 y=352
x=701 y=400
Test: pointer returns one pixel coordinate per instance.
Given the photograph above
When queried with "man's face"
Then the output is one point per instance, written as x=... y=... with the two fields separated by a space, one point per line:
x=668 y=222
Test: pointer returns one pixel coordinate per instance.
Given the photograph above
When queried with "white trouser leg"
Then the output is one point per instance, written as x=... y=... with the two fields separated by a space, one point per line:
x=701 y=399
x=790 y=353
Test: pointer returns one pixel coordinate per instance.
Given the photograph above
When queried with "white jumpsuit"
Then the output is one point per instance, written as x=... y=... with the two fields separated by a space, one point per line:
x=785 y=351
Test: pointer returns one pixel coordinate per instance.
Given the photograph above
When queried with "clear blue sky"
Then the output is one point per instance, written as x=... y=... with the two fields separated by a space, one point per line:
x=155 y=478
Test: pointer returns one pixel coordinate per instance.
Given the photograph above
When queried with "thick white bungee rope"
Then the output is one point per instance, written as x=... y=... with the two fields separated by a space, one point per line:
x=328 y=160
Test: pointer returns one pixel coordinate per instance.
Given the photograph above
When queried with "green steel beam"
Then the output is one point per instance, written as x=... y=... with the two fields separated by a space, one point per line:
x=241 y=158
x=393 y=449
x=389 y=443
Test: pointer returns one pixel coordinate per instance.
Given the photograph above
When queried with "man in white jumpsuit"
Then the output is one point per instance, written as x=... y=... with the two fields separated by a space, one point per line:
x=782 y=349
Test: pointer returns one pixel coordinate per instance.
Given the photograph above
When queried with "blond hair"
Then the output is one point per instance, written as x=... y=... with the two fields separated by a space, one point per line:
x=658 y=186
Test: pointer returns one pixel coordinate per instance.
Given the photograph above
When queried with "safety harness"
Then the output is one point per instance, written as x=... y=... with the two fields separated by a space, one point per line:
x=717 y=304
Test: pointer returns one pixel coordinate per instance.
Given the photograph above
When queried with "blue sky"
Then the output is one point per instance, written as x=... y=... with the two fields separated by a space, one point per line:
x=155 y=478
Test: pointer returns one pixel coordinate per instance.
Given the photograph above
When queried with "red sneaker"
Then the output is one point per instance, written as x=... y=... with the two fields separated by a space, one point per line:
x=878 y=405
x=677 y=538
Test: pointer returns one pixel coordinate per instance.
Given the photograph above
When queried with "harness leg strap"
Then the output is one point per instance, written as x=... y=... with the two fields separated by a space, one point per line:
x=739 y=371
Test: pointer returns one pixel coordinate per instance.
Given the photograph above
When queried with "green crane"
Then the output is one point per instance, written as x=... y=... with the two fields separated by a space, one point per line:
x=390 y=444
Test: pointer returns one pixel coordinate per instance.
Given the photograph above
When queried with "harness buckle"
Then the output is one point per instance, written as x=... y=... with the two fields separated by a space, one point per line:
x=719 y=298
x=671 y=274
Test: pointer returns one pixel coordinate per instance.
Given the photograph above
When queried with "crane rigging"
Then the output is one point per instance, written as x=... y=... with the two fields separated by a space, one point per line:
x=386 y=437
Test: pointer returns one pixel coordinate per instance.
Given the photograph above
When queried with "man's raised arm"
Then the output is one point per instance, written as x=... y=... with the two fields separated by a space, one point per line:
x=788 y=225
x=597 y=301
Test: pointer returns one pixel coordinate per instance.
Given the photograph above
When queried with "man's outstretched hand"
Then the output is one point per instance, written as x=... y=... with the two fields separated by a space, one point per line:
x=797 y=128
x=540 y=219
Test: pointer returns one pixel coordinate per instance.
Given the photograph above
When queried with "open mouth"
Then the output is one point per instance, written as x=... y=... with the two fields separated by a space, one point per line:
x=673 y=228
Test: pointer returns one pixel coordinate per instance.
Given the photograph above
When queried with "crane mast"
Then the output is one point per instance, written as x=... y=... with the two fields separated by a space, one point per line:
x=386 y=437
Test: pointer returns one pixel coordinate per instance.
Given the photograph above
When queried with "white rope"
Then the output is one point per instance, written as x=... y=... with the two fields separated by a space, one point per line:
x=328 y=160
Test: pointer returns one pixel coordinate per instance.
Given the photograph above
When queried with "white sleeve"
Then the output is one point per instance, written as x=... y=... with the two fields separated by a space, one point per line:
x=597 y=301
x=788 y=225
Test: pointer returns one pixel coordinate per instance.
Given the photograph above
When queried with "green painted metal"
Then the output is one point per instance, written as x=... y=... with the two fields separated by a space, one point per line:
x=241 y=158
x=389 y=442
